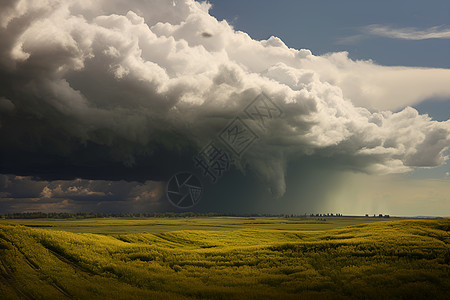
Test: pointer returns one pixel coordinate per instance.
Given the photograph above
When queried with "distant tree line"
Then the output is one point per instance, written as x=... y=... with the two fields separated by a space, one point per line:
x=326 y=215
x=379 y=216
x=88 y=215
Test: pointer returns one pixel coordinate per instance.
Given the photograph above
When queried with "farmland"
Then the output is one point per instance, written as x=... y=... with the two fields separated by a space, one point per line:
x=225 y=257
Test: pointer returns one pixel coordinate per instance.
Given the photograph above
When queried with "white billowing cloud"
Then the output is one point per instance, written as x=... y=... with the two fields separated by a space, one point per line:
x=141 y=68
x=377 y=87
x=435 y=32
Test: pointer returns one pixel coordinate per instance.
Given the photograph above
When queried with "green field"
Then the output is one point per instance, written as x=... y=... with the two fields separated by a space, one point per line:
x=225 y=258
x=150 y=225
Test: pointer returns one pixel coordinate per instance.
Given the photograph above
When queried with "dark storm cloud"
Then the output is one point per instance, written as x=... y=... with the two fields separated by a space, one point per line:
x=113 y=90
x=22 y=193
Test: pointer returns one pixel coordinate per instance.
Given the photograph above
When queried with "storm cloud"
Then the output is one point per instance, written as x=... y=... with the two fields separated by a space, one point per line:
x=23 y=193
x=113 y=90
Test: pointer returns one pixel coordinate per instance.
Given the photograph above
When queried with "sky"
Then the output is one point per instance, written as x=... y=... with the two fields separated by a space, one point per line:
x=272 y=106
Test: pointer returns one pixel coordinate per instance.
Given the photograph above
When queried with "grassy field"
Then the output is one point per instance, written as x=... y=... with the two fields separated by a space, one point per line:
x=225 y=257
x=155 y=225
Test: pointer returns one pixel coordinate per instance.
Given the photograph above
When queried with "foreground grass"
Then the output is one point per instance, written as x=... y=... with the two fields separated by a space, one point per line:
x=395 y=259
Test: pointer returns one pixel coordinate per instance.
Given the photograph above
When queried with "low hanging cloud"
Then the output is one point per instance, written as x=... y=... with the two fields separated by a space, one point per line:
x=114 y=90
x=23 y=193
